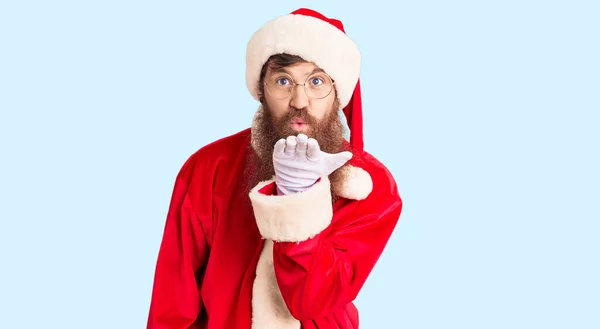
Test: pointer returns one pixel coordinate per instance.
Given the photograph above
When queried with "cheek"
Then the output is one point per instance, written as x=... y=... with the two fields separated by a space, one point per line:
x=277 y=107
x=320 y=107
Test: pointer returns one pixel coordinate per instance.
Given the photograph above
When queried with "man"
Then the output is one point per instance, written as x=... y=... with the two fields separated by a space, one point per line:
x=279 y=225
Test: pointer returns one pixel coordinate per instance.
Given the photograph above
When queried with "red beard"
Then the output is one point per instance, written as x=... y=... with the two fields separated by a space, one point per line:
x=266 y=131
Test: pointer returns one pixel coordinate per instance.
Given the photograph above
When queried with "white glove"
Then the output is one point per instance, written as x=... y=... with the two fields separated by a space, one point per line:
x=299 y=163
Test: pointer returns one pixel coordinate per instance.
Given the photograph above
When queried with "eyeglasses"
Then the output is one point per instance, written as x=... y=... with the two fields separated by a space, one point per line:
x=316 y=86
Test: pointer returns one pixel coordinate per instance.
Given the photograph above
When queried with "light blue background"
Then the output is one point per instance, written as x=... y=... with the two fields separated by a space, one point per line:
x=485 y=112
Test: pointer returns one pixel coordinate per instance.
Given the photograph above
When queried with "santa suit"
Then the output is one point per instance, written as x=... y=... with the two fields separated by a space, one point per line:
x=231 y=258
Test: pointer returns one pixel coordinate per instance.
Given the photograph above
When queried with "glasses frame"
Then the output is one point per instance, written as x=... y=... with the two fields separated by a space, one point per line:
x=294 y=84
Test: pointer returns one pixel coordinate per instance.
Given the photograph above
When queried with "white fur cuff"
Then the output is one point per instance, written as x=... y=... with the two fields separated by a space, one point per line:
x=296 y=217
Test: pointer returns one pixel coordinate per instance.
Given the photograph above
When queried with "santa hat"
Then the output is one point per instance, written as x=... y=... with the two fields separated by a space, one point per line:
x=318 y=39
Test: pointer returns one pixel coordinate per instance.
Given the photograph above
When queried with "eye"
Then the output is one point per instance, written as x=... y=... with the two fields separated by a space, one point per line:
x=282 y=81
x=315 y=81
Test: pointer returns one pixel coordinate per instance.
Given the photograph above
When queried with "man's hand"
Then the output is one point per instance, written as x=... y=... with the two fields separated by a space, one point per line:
x=299 y=163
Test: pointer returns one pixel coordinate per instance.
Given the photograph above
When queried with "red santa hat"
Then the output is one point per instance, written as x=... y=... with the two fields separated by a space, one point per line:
x=318 y=39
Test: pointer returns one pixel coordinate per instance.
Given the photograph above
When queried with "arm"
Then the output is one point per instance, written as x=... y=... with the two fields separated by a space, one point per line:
x=175 y=299
x=321 y=258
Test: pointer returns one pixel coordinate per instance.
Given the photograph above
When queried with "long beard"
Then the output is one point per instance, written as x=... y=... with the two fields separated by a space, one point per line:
x=266 y=131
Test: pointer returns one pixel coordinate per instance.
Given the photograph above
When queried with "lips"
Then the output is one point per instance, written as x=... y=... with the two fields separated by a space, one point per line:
x=298 y=125
x=298 y=121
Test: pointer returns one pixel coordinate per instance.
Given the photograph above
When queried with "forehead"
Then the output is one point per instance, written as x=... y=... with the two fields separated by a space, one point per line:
x=300 y=70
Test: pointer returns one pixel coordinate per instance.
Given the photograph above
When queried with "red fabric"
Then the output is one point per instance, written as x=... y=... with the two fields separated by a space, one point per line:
x=352 y=111
x=211 y=245
x=269 y=189
x=316 y=14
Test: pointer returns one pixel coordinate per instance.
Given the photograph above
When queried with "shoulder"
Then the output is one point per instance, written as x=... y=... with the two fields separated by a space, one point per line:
x=375 y=167
x=369 y=178
x=222 y=152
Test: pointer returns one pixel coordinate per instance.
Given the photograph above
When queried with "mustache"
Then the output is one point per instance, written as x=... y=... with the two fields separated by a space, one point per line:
x=298 y=113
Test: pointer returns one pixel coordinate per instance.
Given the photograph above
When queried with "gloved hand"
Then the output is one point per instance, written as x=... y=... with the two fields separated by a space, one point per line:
x=299 y=163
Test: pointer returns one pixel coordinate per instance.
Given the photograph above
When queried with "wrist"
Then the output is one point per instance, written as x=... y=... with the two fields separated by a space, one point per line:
x=287 y=190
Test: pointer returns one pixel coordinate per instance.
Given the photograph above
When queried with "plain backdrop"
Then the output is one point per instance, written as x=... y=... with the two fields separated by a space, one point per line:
x=486 y=112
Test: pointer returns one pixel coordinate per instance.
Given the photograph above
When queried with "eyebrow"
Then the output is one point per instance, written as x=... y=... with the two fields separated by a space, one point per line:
x=283 y=70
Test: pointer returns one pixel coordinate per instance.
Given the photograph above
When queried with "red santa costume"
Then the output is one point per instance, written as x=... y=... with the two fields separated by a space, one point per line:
x=233 y=259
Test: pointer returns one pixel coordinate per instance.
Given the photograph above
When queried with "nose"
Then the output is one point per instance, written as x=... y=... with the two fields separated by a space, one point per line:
x=299 y=99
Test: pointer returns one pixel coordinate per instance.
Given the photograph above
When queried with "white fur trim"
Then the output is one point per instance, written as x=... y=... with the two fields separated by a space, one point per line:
x=295 y=217
x=358 y=184
x=314 y=40
x=268 y=308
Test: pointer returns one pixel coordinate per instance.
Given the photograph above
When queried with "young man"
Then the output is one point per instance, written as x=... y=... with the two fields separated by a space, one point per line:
x=279 y=225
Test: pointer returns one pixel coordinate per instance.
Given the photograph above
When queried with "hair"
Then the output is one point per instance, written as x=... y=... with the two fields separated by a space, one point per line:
x=276 y=62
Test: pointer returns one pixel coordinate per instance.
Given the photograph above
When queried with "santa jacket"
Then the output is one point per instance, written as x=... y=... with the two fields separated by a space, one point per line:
x=230 y=259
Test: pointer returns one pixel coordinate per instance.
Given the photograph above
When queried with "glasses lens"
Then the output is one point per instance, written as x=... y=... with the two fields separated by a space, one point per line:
x=318 y=85
x=280 y=86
